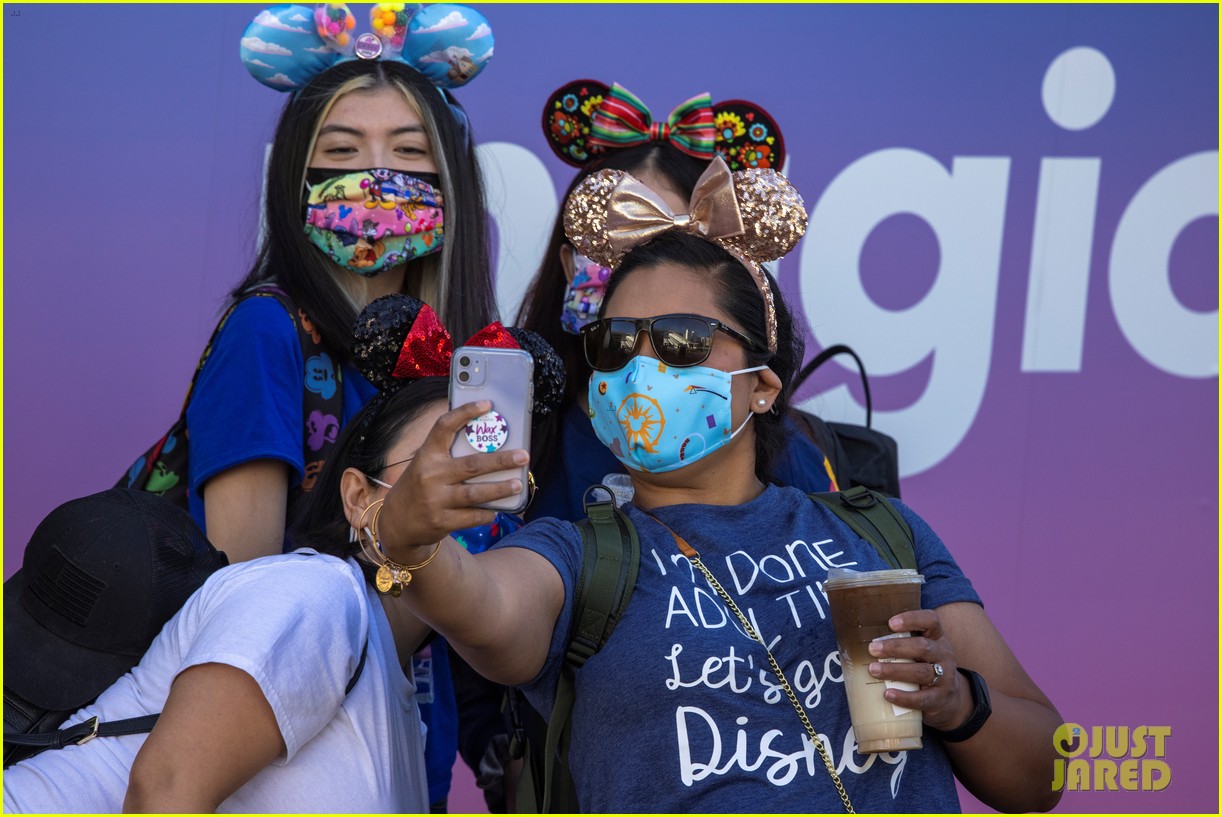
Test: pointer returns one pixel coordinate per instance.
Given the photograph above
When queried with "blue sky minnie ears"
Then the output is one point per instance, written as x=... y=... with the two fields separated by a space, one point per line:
x=287 y=46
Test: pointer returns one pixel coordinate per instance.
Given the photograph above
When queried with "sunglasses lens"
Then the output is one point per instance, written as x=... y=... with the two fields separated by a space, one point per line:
x=682 y=341
x=609 y=344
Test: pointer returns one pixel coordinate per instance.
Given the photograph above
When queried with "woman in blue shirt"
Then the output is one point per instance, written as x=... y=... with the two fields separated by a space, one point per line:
x=372 y=187
x=682 y=710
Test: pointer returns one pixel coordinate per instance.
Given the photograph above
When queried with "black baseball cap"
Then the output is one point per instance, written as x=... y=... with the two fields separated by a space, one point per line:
x=100 y=577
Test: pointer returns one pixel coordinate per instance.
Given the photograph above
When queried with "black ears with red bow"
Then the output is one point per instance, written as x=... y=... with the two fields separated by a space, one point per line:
x=586 y=118
x=398 y=339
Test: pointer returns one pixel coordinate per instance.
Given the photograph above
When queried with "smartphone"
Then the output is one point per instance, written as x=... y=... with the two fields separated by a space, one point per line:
x=506 y=378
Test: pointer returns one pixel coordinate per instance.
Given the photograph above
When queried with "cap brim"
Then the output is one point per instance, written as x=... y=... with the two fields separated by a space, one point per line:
x=46 y=670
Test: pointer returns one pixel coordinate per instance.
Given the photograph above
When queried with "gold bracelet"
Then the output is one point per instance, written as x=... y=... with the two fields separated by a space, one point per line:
x=431 y=557
x=391 y=577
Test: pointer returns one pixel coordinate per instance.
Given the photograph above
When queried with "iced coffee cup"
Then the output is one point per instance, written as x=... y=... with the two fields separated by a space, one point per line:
x=861 y=604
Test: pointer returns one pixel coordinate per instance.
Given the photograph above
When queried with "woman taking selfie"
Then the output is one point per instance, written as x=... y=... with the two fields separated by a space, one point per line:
x=692 y=350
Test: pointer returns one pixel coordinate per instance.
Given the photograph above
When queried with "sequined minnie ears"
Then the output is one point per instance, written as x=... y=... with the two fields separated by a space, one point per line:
x=287 y=46
x=584 y=119
x=755 y=215
x=398 y=339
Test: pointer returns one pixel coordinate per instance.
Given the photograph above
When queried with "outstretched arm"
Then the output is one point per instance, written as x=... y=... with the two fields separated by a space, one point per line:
x=216 y=732
x=497 y=609
x=1008 y=763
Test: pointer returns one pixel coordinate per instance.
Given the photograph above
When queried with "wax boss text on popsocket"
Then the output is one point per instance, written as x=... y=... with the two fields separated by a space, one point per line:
x=488 y=432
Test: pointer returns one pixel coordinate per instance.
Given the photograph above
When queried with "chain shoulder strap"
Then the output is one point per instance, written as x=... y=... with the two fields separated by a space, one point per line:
x=692 y=556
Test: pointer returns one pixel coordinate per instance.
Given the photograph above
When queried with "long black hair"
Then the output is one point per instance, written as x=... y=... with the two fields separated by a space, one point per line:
x=457 y=282
x=319 y=521
x=544 y=302
x=738 y=297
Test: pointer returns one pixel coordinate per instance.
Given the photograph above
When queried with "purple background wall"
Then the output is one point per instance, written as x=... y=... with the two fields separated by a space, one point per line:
x=1058 y=428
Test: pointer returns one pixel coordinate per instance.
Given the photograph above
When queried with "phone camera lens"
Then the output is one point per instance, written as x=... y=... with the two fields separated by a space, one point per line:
x=463 y=377
x=464 y=361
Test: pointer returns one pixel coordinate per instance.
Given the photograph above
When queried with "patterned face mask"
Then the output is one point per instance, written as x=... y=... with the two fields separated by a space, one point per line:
x=585 y=296
x=659 y=418
x=371 y=220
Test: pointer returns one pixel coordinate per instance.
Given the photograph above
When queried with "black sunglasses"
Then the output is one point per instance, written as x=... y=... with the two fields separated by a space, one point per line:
x=678 y=340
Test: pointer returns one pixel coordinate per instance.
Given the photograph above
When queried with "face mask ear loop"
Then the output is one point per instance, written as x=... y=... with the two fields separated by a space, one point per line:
x=750 y=414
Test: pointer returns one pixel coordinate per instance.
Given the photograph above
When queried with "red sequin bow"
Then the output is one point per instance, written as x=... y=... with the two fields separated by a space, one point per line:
x=427 y=349
x=622 y=120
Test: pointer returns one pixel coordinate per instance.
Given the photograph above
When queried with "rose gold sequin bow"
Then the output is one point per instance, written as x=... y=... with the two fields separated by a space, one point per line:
x=755 y=214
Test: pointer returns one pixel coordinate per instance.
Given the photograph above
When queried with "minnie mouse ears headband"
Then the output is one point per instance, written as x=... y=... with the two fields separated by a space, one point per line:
x=755 y=215
x=399 y=339
x=585 y=118
x=287 y=46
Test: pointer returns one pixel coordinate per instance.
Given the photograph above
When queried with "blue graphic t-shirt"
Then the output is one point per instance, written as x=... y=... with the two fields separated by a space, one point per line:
x=680 y=713
x=247 y=401
x=584 y=461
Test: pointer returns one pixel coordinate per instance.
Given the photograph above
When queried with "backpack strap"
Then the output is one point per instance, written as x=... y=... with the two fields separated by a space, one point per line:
x=611 y=555
x=83 y=732
x=826 y=355
x=86 y=731
x=876 y=520
x=322 y=391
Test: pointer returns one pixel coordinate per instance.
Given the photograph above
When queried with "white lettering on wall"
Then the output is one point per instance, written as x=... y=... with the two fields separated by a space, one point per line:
x=522 y=201
x=965 y=207
x=1164 y=332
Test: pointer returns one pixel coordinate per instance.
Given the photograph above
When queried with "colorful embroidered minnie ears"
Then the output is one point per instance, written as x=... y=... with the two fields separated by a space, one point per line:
x=585 y=118
x=287 y=46
x=398 y=339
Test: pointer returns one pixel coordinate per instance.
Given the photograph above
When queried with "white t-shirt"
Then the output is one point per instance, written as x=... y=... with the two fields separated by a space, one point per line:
x=296 y=623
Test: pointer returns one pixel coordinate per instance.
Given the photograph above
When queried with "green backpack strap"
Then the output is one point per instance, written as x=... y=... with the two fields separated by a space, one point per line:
x=612 y=555
x=874 y=519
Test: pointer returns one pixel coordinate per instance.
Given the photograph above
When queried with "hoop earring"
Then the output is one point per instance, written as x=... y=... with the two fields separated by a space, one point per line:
x=391 y=576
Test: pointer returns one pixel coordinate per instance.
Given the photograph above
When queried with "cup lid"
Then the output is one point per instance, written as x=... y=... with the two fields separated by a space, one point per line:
x=840 y=577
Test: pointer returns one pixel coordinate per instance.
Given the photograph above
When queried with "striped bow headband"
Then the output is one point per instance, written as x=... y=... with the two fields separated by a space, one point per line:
x=584 y=119
x=622 y=120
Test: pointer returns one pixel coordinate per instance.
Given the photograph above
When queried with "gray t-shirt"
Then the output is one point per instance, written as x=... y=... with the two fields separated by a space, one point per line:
x=680 y=713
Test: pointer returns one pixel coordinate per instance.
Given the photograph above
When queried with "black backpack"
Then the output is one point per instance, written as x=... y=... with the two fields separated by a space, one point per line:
x=859 y=455
x=100 y=577
x=611 y=552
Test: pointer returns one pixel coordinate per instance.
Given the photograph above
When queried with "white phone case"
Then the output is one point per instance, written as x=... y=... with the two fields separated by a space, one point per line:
x=505 y=377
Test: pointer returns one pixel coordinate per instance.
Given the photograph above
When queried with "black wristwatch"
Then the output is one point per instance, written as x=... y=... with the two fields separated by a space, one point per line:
x=980 y=695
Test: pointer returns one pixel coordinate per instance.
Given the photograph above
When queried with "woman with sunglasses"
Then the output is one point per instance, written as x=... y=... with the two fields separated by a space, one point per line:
x=679 y=711
x=589 y=125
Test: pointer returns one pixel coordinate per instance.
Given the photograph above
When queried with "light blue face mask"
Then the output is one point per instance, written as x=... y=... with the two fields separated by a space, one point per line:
x=659 y=418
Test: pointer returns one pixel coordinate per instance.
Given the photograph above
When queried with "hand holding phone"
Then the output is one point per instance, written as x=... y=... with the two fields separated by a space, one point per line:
x=506 y=378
